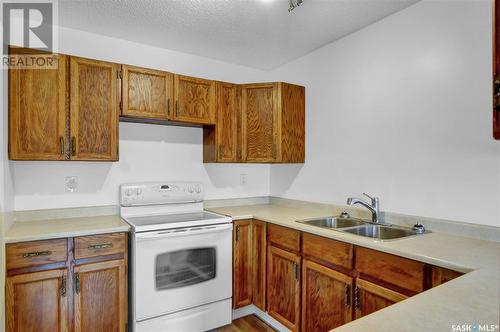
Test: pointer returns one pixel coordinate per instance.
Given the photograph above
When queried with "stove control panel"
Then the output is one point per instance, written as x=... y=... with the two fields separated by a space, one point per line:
x=148 y=193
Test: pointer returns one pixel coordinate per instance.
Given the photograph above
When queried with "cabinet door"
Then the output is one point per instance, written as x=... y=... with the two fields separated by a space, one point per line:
x=242 y=263
x=260 y=122
x=194 y=100
x=227 y=117
x=37 y=302
x=94 y=110
x=37 y=113
x=369 y=297
x=147 y=93
x=496 y=69
x=326 y=298
x=100 y=299
x=441 y=275
x=259 y=264
x=283 y=287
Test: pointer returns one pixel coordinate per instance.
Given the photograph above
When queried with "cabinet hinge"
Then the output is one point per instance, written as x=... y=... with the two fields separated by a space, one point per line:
x=77 y=283
x=63 y=286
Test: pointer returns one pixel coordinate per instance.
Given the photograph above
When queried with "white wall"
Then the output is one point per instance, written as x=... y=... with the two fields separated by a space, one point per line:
x=402 y=110
x=147 y=152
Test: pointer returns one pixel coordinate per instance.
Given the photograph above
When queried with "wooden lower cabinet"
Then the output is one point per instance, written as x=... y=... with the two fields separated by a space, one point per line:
x=441 y=275
x=100 y=299
x=37 y=301
x=369 y=297
x=326 y=298
x=259 y=264
x=283 y=287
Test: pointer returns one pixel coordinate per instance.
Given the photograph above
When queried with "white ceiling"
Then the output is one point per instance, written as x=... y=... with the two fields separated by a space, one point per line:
x=255 y=33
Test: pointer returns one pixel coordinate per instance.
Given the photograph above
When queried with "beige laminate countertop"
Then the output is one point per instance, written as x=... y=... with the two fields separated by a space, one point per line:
x=470 y=299
x=67 y=227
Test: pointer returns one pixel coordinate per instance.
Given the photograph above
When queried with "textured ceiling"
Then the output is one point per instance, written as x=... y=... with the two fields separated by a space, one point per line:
x=255 y=33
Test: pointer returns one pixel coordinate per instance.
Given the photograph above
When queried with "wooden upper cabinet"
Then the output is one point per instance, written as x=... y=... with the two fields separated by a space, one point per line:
x=496 y=69
x=37 y=112
x=100 y=298
x=195 y=100
x=272 y=122
x=93 y=109
x=146 y=93
x=37 y=302
x=369 y=297
x=260 y=122
x=283 y=287
x=242 y=263
x=326 y=298
x=228 y=107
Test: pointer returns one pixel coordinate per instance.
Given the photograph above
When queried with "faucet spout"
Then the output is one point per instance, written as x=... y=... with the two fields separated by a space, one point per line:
x=373 y=206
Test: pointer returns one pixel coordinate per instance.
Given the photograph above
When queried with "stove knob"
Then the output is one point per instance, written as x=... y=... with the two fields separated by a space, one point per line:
x=128 y=192
x=190 y=189
x=198 y=189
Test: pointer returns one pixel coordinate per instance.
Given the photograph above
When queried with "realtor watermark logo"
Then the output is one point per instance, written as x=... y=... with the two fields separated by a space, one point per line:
x=474 y=327
x=29 y=34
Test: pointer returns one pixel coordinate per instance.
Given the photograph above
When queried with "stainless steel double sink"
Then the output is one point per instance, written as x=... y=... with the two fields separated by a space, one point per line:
x=382 y=232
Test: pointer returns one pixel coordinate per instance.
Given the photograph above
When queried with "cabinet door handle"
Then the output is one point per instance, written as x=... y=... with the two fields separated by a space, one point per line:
x=37 y=254
x=496 y=93
x=73 y=145
x=220 y=151
x=274 y=151
x=168 y=106
x=348 y=295
x=100 y=246
x=237 y=233
x=63 y=286
x=357 y=300
x=77 y=282
x=176 y=108
x=61 y=145
x=296 y=271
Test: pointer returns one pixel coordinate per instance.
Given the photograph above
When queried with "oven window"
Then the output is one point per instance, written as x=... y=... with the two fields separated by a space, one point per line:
x=185 y=267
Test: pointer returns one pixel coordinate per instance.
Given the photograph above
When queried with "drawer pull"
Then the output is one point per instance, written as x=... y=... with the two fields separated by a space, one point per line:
x=101 y=246
x=37 y=254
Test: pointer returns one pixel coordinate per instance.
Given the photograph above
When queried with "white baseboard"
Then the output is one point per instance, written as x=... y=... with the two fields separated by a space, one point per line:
x=253 y=310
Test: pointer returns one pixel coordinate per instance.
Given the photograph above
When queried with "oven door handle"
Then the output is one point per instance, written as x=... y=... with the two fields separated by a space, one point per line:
x=185 y=231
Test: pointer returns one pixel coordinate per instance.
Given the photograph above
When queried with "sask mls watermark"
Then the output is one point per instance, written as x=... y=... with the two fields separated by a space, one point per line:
x=29 y=34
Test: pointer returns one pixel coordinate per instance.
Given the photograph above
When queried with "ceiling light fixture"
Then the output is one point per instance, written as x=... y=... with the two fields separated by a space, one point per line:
x=294 y=4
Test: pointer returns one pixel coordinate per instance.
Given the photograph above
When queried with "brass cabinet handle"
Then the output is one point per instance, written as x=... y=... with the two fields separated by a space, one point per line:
x=73 y=145
x=357 y=301
x=63 y=286
x=37 y=254
x=237 y=233
x=296 y=271
x=100 y=246
x=348 y=295
x=61 y=145
x=220 y=151
x=168 y=106
x=176 y=108
x=77 y=282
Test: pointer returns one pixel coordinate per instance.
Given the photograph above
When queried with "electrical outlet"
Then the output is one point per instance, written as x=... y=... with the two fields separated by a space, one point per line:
x=70 y=184
x=243 y=179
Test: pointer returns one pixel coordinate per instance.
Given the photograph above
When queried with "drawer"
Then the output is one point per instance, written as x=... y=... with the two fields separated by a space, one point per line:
x=401 y=272
x=327 y=250
x=35 y=253
x=100 y=245
x=284 y=237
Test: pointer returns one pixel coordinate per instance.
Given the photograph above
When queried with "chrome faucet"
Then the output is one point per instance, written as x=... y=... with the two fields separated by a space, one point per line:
x=374 y=206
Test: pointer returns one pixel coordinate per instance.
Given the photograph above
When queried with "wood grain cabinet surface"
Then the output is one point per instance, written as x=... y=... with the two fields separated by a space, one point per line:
x=194 y=100
x=146 y=93
x=49 y=287
x=370 y=297
x=326 y=298
x=37 y=112
x=93 y=109
x=496 y=69
x=283 y=287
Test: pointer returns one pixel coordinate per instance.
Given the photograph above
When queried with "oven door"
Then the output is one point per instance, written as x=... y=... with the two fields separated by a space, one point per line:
x=182 y=268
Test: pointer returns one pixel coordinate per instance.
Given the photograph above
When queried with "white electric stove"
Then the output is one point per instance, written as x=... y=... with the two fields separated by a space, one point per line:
x=181 y=258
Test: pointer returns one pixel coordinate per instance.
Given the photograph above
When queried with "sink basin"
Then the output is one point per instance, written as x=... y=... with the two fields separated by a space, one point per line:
x=381 y=232
x=333 y=222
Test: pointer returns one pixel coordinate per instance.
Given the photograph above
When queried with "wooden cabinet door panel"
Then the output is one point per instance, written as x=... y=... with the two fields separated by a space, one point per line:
x=441 y=275
x=227 y=117
x=242 y=263
x=292 y=123
x=370 y=297
x=326 y=298
x=283 y=287
x=37 y=112
x=37 y=302
x=195 y=100
x=147 y=93
x=496 y=69
x=284 y=237
x=100 y=299
x=260 y=122
x=94 y=111
x=259 y=264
